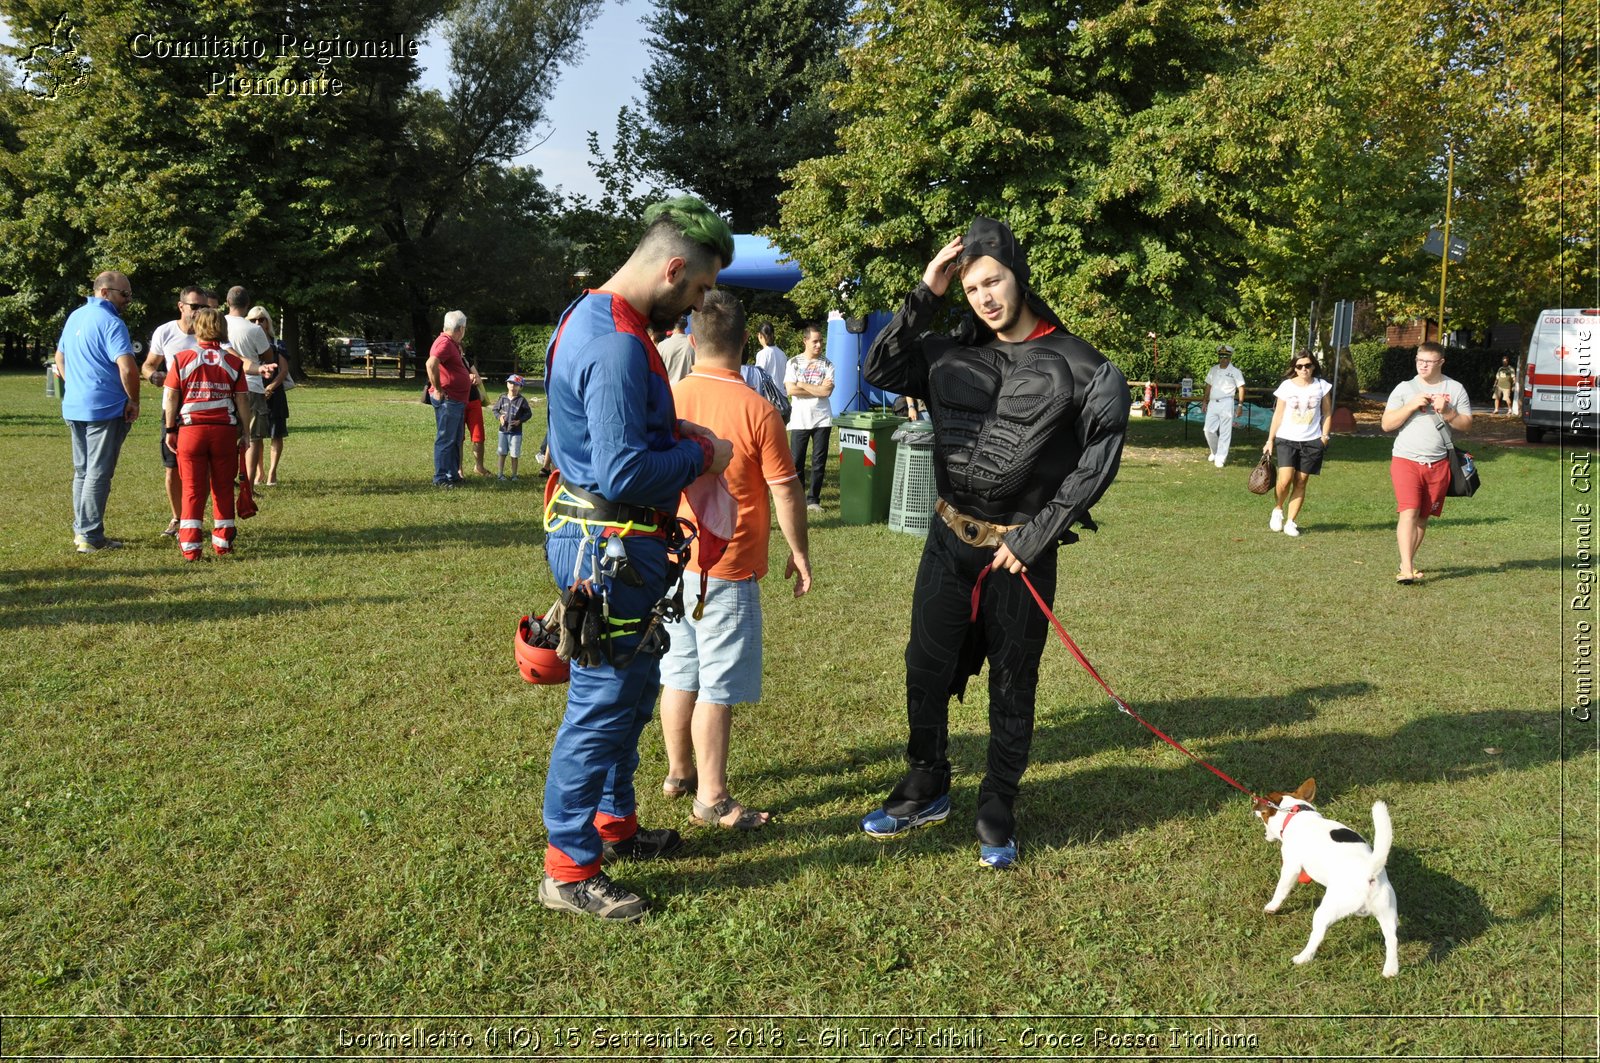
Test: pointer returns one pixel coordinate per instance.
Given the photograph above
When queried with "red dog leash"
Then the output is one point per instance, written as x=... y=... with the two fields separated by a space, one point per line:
x=1072 y=647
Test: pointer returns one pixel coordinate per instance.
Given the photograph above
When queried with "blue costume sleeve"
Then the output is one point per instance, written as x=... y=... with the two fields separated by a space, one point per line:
x=633 y=460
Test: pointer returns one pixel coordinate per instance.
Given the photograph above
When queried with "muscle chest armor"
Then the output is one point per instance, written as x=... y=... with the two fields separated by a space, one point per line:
x=1005 y=419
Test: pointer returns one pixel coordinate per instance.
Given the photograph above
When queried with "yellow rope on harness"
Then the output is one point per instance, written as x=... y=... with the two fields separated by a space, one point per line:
x=554 y=520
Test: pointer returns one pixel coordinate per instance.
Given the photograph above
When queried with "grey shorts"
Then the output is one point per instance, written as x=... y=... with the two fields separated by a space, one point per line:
x=169 y=460
x=260 y=416
x=719 y=655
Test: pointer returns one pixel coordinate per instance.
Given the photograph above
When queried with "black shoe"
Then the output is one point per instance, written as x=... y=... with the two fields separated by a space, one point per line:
x=644 y=845
x=597 y=896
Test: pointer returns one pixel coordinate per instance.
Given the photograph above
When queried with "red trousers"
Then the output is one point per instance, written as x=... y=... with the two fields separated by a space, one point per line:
x=208 y=454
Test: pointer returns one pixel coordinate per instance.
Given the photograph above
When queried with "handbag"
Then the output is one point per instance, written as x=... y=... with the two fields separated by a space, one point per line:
x=1262 y=476
x=1464 y=481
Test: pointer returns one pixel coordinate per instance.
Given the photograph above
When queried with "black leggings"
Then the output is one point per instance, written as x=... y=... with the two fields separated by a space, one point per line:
x=946 y=648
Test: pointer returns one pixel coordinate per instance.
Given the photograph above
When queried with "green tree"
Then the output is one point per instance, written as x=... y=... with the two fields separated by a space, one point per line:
x=1341 y=116
x=597 y=234
x=504 y=58
x=336 y=202
x=1075 y=130
x=1522 y=100
x=734 y=97
x=1334 y=124
x=140 y=163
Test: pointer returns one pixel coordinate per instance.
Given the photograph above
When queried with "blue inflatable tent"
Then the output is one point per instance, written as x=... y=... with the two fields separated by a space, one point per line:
x=757 y=264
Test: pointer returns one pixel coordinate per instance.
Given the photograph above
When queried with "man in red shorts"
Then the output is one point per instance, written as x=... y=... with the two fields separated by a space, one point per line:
x=1423 y=411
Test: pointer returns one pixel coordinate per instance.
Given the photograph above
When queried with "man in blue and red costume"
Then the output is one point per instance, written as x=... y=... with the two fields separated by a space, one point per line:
x=1028 y=429
x=623 y=458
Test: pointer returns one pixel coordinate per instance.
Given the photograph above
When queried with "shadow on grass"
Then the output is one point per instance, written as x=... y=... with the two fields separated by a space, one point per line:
x=69 y=598
x=1083 y=735
x=1103 y=803
x=423 y=488
x=32 y=420
x=1442 y=572
x=413 y=538
x=1107 y=802
x=1435 y=907
x=303 y=428
x=1439 y=525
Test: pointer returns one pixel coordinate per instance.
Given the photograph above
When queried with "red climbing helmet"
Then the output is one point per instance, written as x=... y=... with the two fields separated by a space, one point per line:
x=536 y=655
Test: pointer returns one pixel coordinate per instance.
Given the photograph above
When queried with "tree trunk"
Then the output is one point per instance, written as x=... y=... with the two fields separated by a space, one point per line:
x=291 y=344
x=422 y=333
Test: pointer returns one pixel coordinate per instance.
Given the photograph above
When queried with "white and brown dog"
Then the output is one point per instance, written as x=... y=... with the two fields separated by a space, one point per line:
x=1329 y=853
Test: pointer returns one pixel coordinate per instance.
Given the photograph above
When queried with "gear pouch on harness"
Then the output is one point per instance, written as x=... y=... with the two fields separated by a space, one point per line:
x=585 y=639
x=580 y=625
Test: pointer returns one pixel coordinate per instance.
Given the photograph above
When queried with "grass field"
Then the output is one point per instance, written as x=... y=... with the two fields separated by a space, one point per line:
x=276 y=804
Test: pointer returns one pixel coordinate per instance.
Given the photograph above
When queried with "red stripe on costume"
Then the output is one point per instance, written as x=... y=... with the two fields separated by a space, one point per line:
x=625 y=319
x=616 y=828
x=1043 y=328
x=559 y=866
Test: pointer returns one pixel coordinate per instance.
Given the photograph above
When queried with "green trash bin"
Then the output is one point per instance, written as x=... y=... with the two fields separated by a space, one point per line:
x=866 y=465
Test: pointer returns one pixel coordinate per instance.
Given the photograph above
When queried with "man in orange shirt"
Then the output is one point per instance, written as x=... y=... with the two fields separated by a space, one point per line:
x=715 y=662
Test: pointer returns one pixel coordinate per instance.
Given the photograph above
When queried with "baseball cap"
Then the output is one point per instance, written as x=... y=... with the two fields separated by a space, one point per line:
x=514 y=378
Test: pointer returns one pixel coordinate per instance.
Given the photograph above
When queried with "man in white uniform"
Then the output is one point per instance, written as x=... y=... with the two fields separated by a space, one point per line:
x=1223 y=399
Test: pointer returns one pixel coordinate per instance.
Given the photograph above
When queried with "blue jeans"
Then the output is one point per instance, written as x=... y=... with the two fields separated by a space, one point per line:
x=450 y=417
x=96 y=445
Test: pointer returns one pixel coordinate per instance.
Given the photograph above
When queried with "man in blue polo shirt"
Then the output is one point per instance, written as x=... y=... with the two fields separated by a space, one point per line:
x=96 y=362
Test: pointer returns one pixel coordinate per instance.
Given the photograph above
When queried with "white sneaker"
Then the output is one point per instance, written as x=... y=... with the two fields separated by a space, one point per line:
x=1276 y=523
x=1220 y=462
x=1291 y=528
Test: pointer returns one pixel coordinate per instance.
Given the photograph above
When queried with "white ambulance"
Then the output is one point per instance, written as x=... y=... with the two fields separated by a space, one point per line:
x=1558 y=383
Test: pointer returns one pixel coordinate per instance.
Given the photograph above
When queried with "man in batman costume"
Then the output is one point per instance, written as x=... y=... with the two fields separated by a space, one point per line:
x=1029 y=423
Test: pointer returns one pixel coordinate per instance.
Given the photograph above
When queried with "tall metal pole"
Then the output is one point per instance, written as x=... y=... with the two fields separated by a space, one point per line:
x=1444 y=259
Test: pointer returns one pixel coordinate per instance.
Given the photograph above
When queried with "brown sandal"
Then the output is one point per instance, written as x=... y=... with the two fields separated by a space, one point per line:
x=711 y=815
x=675 y=788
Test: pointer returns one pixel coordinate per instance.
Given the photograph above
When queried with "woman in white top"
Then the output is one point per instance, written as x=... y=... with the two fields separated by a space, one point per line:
x=771 y=357
x=1299 y=431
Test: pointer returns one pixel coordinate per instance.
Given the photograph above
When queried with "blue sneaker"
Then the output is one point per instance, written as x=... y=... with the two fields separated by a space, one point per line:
x=880 y=824
x=998 y=857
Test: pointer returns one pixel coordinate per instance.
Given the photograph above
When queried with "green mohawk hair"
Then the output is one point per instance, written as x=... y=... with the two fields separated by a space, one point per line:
x=697 y=222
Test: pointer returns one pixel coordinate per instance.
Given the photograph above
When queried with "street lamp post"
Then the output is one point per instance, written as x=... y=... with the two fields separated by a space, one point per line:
x=1150 y=387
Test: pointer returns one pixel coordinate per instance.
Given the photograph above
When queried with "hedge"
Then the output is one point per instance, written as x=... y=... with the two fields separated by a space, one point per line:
x=1473 y=369
x=502 y=349
x=1261 y=361
x=1371 y=366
